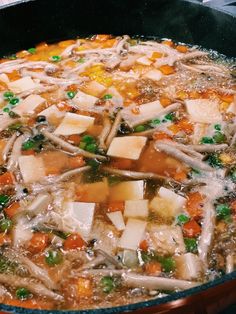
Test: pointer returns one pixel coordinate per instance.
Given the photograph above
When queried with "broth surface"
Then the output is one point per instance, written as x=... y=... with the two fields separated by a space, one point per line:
x=117 y=171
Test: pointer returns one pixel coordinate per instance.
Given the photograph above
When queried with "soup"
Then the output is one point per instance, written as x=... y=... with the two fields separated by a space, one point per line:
x=117 y=172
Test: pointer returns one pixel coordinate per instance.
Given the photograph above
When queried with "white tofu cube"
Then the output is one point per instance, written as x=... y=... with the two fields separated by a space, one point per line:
x=144 y=61
x=203 y=111
x=74 y=124
x=22 y=85
x=127 y=147
x=51 y=112
x=177 y=201
x=29 y=104
x=129 y=190
x=31 y=168
x=137 y=208
x=154 y=75
x=133 y=234
x=78 y=217
x=117 y=220
x=84 y=101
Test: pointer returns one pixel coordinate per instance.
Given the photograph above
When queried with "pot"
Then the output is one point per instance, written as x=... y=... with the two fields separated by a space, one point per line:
x=32 y=21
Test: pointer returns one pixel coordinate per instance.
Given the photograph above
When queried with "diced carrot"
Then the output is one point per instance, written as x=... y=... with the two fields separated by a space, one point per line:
x=186 y=126
x=38 y=242
x=233 y=206
x=28 y=152
x=182 y=48
x=6 y=178
x=4 y=238
x=116 y=206
x=122 y=163
x=180 y=176
x=84 y=288
x=76 y=162
x=72 y=88
x=143 y=245
x=165 y=101
x=174 y=128
x=30 y=304
x=194 y=204
x=191 y=229
x=194 y=95
x=66 y=43
x=153 y=268
x=14 y=75
x=167 y=69
x=168 y=43
x=74 y=138
x=161 y=136
x=156 y=55
x=109 y=43
x=12 y=209
x=3 y=86
x=74 y=241
x=227 y=98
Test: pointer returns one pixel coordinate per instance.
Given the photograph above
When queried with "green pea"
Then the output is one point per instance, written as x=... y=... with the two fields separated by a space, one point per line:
x=5 y=225
x=92 y=148
x=32 y=50
x=22 y=293
x=207 y=140
x=217 y=127
x=169 y=116
x=107 y=96
x=56 y=58
x=219 y=138
x=155 y=122
x=8 y=95
x=167 y=263
x=88 y=139
x=139 y=128
x=108 y=284
x=182 y=219
x=71 y=94
x=53 y=257
x=191 y=245
x=6 y=109
x=28 y=145
x=4 y=199
x=14 y=101
x=222 y=210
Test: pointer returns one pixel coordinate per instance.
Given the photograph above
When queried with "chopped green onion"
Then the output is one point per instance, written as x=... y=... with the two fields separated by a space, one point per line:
x=108 y=284
x=214 y=160
x=219 y=138
x=167 y=263
x=32 y=50
x=53 y=257
x=217 y=127
x=11 y=57
x=15 y=127
x=139 y=128
x=82 y=145
x=207 y=140
x=8 y=95
x=181 y=219
x=107 y=96
x=191 y=245
x=113 y=180
x=22 y=293
x=56 y=58
x=222 y=211
x=5 y=225
x=14 y=101
x=71 y=94
x=81 y=60
x=4 y=199
x=93 y=163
